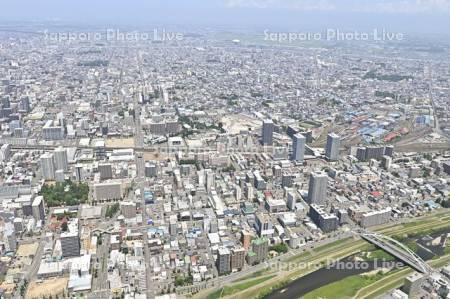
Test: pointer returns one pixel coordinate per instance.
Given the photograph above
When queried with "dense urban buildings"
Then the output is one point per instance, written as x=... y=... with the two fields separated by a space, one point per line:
x=185 y=168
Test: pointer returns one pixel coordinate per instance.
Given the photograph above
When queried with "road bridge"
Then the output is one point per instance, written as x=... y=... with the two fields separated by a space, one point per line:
x=398 y=250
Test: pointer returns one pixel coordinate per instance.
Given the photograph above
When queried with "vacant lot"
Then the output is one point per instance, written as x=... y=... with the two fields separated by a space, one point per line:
x=46 y=288
x=25 y=250
x=120 y=142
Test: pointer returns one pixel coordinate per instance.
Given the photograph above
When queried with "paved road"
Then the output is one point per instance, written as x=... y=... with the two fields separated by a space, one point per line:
x=149 y=283
x=101 y=283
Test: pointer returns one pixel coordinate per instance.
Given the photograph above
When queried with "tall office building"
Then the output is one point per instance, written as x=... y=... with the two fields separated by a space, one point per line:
x=326 y=222
x=70 y=244
x=52 y=130
x=128 y=209
x=105 y=171
x=246 y=239
x=260 y=247
x=210 y=179
x=223 y=261
x=79 y=172
x=5 y=152
x=237 y=258
x=332 y=147
x=386 y=162
x=389 y=150
x=267 y=132
x=47 y=166
x=37 y=208
x=24 y=104
x=317 y=191
x=151 y=170
x=60 y=157
x=298 y=147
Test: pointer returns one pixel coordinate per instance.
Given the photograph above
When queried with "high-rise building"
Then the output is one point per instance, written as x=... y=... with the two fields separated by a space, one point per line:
x=389 y=150
x=237 y=258
x=366 y=153
x=6 y=103
x=317 y=191
x=267 y=132
x=79 y=172
x=287 y=180
x=60 y=157
x=38 y=208
x=361 y=154
x=24 y=104
x=52 y=130
x=237 y=192
x=105 y=171
x=18 y=224
x=128 y=209
x=9 y=235
x=446 y=167
x=223 y=261
x=386 y=162
x=326 y=222
x=210 y=180
x=70 y=244
x=260 y=247
x=298 y=147
x=249 y=191
x=47 y=166
x=246 y=239
x=373 y=218
x=151 y=170
x=260 y=183
x=332 y=147
x=5 y=152
x=291 y=200
x=264 y=225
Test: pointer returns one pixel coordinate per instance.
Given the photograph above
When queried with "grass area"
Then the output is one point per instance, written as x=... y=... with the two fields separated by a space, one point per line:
x=333 y=244
x=299 y=257
x=345 y=288
x=67 y=193
x=377 y=254
x=429 y=231
x=414 y=223
x=447 y=250
x=230 y=290
x=253 y=275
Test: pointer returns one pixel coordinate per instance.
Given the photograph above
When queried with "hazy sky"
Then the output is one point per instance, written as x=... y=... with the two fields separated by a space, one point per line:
x=430 y=16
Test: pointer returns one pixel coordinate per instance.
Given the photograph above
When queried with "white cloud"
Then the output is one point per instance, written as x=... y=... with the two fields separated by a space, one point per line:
x=387 y=6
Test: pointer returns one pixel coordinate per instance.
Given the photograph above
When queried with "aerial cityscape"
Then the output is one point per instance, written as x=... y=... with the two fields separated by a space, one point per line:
x=177 y=161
